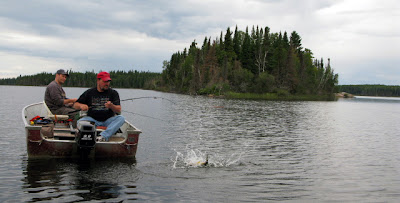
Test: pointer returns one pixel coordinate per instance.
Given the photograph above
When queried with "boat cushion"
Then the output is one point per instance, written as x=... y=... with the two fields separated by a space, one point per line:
x=53 y=117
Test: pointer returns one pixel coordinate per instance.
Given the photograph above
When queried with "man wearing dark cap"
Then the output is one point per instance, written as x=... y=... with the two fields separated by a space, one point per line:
x=103 y=106
x=55 y=97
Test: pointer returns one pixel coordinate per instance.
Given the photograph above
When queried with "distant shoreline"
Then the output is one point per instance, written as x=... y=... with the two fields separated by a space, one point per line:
x=371 y=90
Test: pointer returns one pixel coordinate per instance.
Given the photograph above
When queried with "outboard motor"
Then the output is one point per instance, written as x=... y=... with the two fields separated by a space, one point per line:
x=86 y=137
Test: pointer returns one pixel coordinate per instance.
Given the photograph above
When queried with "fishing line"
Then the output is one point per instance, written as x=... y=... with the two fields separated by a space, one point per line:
x=153 y=97
x=145 y=116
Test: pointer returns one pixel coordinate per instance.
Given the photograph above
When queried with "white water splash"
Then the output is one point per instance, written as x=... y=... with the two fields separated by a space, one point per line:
x=194 y=158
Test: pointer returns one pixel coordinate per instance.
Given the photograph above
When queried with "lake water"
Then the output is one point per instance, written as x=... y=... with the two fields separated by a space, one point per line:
x=347 y=150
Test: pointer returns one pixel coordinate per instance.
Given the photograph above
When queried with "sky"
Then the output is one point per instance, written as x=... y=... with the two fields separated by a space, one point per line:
x=361 y=37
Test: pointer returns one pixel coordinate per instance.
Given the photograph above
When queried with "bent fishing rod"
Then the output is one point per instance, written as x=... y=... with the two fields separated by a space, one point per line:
x=153 y=97
x=72 y=112
x=135 y=98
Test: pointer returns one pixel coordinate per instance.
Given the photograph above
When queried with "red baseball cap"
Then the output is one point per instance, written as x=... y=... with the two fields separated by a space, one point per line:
x=104 y=76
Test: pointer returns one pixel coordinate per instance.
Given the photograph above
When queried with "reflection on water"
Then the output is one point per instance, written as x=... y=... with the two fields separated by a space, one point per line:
x=64 y=180
x=377 y=99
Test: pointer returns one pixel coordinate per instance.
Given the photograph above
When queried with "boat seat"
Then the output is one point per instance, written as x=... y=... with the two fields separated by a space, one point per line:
x=100 y=129
x=54 y=117
x=63 y=135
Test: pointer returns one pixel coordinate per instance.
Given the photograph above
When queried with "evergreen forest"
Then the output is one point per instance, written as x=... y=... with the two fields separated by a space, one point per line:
x=256 y=61
x=120 y=79
x=371 y=90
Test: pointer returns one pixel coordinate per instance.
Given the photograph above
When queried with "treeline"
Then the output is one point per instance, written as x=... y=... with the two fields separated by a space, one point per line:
x=248 y=62
x=120 y=79
x=371 y=90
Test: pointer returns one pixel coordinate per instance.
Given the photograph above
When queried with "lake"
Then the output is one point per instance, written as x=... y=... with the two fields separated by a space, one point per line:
x=346 y=150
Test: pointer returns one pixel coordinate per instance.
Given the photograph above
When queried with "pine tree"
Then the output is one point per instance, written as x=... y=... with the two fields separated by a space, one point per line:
x=236 y=42
x=246 y=53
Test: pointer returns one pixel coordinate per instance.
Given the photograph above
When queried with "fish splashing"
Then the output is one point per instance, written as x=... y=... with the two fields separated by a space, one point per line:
x=194 y=158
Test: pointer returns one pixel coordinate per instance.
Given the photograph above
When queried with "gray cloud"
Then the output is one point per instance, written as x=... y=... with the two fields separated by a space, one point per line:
x=360 y=37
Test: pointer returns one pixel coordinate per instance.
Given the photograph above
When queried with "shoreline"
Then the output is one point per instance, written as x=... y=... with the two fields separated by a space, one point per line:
x=344 y=95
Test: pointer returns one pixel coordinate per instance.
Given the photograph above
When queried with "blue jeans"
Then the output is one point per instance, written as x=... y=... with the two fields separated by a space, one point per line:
x=112 y=124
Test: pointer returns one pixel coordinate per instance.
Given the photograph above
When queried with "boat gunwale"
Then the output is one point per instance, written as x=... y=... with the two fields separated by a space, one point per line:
x=135 y=130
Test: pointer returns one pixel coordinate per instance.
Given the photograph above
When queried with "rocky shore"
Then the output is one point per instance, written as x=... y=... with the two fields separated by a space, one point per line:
x=344 y=95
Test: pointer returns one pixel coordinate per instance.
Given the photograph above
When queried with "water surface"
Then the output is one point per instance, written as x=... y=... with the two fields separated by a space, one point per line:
x=346 y=150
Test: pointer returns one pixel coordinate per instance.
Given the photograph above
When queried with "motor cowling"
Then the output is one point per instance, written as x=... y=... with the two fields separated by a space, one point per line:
x=86 y=136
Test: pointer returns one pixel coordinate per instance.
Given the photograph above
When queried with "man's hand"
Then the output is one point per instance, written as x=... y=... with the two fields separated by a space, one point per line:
x=84 y=107
x=80 y=106
x=70 y=102
x=109 y=105
x=115 y=108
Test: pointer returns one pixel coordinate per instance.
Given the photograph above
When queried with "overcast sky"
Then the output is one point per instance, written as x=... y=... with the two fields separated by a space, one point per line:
x=361 y=37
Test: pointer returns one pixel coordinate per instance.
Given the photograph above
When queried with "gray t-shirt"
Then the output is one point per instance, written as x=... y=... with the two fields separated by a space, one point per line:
x=54 y=96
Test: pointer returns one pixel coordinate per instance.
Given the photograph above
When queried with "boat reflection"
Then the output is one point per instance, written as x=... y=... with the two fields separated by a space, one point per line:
x=79 y=180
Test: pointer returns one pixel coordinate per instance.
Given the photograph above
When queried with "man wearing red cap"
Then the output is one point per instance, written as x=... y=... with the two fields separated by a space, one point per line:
x=103 y=106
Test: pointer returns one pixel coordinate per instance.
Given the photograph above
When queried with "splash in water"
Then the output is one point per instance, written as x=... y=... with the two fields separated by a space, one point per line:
x=194 y=158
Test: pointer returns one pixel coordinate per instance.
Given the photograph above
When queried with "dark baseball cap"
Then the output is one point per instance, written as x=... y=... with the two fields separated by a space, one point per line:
x=62 y=72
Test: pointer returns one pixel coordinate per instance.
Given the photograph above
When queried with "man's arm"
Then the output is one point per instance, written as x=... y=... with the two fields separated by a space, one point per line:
x=80 y=106
x=54 y=95
x=79 y=103
x=70 y=101
x=113 y=107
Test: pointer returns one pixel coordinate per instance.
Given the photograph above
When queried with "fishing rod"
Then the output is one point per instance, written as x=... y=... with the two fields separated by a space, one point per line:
x=72 y=112
x=153 y=97
x=135 y=98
